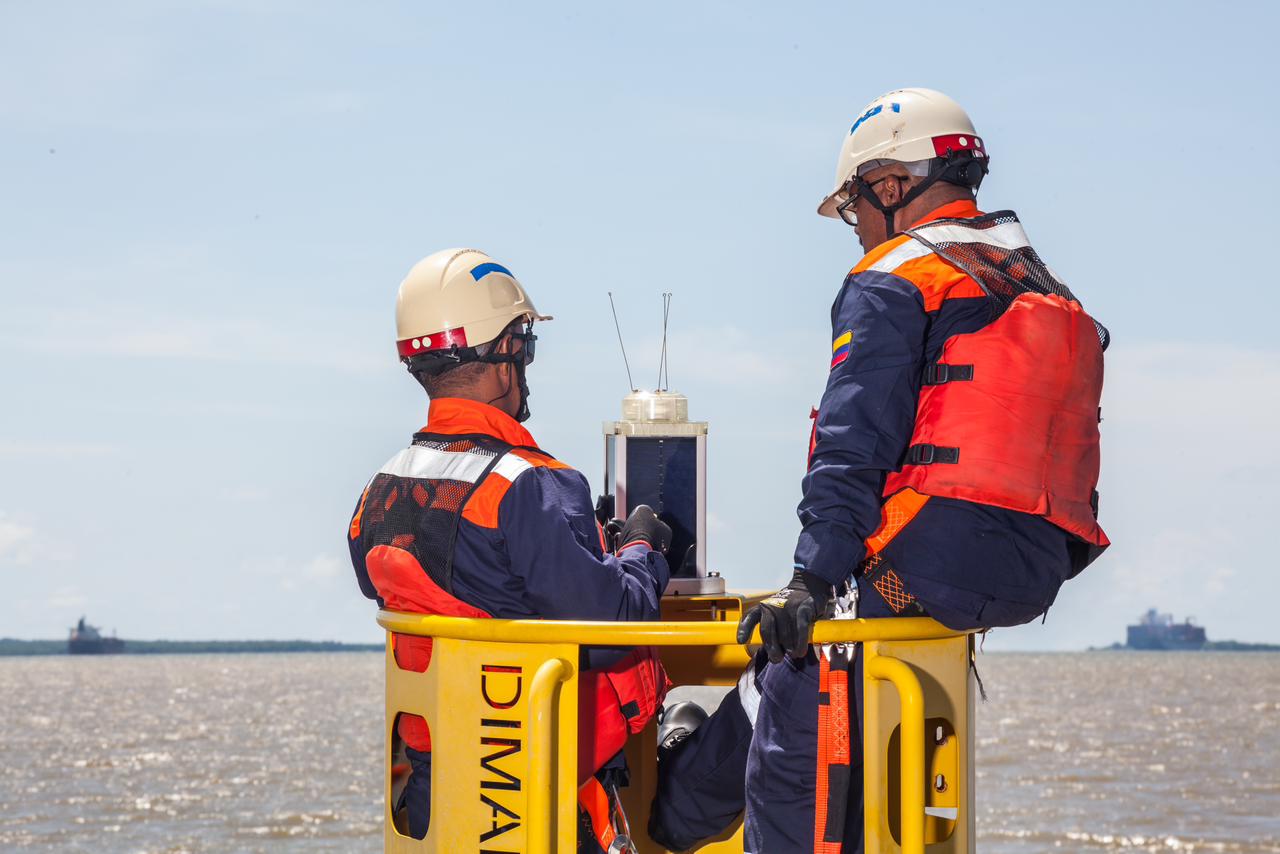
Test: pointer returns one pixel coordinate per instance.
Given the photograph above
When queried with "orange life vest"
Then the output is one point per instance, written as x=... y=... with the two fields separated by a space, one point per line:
x=1008 y=416
x=407 y=521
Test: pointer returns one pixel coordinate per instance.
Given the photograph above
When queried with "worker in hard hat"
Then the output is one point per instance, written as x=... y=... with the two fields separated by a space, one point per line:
x=473 y=519
x=952 y=469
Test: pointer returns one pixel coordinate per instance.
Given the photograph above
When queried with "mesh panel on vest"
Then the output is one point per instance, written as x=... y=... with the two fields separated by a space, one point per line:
x=420 y=515
x=1004 y=274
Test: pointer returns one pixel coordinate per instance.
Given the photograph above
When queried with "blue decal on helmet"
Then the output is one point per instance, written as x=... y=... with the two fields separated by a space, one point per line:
x=874 y=111
x=482 y=270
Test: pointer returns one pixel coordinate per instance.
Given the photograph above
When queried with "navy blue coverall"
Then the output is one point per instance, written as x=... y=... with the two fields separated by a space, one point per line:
x=527 y=545
x=967 y=565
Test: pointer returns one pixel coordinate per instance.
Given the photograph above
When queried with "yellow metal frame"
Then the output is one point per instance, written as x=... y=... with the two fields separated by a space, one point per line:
x=517 y=759
x=671 y=633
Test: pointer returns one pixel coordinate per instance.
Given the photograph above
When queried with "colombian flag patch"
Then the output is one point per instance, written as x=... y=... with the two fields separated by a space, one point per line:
x=840 y=349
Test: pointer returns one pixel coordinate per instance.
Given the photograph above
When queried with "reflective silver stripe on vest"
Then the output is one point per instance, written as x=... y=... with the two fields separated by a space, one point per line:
x=1007 y=235
x=434 y=464
x=749 y=693
x=511 y=467
x=431 y=464
x=908 y=251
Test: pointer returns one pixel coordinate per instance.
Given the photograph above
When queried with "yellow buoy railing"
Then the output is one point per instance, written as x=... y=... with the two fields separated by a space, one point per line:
x=586 y=633
x=902 y=818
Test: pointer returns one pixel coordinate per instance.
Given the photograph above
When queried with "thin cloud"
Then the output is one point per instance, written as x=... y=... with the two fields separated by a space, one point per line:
x=210 y=339
x=325 y=567
x=19 y=449
x=292 y=574
x=67 y=596
x=23 y=544
x=735 y=356
x=15 y=540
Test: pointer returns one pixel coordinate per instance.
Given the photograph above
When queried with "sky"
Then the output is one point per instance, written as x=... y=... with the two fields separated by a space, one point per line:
x=206 y=209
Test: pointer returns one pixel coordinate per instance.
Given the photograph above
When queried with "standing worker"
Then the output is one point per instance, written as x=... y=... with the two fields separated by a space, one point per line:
x=952 y=467
x=474 y=520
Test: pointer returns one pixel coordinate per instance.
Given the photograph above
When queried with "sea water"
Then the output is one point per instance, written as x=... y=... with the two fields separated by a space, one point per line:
x=1087 y=752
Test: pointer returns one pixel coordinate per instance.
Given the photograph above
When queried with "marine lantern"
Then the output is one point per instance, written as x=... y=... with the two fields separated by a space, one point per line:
x=655 y=455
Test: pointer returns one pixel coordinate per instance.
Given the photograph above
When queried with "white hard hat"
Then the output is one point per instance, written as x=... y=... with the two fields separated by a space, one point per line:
x=457 y=298
x=907 y=126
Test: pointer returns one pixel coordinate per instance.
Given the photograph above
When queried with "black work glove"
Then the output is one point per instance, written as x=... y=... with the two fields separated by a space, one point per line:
x=643 y=525
x=610 y=526
x=604 y=509
x=786 y=618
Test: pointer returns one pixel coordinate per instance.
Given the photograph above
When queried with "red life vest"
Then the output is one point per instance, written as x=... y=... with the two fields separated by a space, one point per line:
x=406 y=524
x=1012 y=417
x=1009 y=414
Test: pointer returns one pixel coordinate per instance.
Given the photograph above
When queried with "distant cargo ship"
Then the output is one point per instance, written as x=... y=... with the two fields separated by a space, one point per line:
x=89 y=640
x=1158 y=631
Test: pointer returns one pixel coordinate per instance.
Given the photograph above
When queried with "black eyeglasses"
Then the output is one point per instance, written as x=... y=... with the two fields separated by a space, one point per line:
x=527 y=338
x=845 y=208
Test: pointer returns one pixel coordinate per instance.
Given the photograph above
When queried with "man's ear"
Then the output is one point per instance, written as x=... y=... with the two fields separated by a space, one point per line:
x=891 y=190
x=506 y=347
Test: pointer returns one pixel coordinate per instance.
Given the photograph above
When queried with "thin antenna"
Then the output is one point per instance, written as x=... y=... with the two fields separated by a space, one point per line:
x=621 y=346
x=663 y=365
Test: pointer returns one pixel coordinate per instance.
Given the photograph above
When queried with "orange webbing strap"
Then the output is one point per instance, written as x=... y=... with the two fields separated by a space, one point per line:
x=832 y=790
x=899 y=509
x=594 y=801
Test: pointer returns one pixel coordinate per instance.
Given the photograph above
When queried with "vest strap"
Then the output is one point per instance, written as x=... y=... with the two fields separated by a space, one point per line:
x=834 y=753
x=940 y=374
x=923 y=455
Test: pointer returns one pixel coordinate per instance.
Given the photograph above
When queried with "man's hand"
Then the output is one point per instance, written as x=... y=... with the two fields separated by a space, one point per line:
x=786 y=618
x=644 y=526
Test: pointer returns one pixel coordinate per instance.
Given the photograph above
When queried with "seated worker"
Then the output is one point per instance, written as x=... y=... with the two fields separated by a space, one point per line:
x=474 y=520
x=952 y=472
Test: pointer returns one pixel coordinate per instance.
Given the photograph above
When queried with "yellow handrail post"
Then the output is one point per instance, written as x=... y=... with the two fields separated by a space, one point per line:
x=911 y=697
x=542 y=701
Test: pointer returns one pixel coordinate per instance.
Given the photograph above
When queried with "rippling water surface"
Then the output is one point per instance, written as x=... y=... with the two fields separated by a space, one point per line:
x=1089 y=752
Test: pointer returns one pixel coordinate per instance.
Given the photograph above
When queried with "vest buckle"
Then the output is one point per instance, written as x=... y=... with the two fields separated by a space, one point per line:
x=923 y=455
x=942 y=373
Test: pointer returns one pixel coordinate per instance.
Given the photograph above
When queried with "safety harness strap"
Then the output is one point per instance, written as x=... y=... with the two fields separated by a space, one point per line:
x=603 y=819
x=594 y=801
x=941 y=374
x=832 y=791
x=923 y=455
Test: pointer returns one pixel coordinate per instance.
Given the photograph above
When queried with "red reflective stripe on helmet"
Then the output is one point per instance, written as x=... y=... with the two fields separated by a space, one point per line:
x=951 y=143
x=437 y=341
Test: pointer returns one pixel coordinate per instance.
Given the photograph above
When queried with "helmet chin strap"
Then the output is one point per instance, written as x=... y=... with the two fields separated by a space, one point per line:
x=891 y=211
x=522 y=411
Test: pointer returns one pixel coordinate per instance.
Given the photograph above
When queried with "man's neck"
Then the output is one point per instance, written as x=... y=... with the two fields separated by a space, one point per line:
x=936 y=197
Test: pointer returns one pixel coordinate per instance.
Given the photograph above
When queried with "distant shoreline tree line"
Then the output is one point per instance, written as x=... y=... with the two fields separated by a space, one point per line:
x=13 y=646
